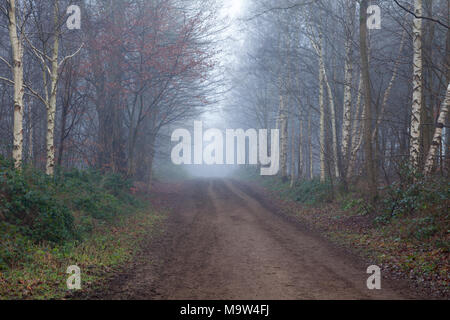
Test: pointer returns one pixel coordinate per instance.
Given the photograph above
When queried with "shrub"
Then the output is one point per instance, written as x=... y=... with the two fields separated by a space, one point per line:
x=101 y=196
x=312 y=192
x=414 y=193
x=361 y=206
x=28 y=201
x=58 y=212
x=42 y=207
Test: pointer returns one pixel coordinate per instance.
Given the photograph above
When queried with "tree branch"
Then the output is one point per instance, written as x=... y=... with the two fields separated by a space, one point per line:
x=421 y=17
x=71 y=56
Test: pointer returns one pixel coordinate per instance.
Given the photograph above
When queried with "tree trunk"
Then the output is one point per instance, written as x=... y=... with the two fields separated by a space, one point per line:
x=61 y=136
x=447 y=67
x=300 y=148
x=357 y=131
x=17 y=65
x=428 y=101
x=437 y=139
x=51 y=107
x=151 y=157
x=292 y=154
x=348 y=79
x=284 y=122
x=333 y=127
x=65 y=111
x=311 y=163
x=322 y=110
x=368 y=147
x=30 y=136
x=284 y=137
x=417 y=88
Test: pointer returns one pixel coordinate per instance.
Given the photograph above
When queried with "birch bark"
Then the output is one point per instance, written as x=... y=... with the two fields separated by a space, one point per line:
x=17 y=69
x=437 y=138
x=368 y=146
x=51 y=106
x=322 y=110
x=417 y=87
x=348 y=79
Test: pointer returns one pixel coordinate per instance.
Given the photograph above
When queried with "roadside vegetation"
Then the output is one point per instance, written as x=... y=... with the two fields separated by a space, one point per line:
x=406 y=231
x=85 y=218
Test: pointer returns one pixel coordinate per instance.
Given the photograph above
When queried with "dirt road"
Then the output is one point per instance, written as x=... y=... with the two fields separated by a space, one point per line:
x=222 y=243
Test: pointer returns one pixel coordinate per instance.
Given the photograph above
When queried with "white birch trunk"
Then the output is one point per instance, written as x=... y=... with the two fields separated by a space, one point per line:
x=17 y=66
x=322 y=110
x=333 y=126
x=51 y=110
x=417 y=87
x=292 y=154
x=348 y=79
x=367 y=133
x=437 y=139
x=51 y=106
x=284 y=124
x=356 y=131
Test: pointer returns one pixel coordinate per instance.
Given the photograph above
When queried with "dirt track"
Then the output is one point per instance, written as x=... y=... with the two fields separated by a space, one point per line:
x=222 y=243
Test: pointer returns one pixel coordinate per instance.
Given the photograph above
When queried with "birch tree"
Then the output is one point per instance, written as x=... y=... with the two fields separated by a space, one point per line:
x=283 y=114
x=322 y=109
x=318 y=45
x=368 y=147
x=51 y=103
x=437 y=138
x=16 y=39
x=357 y=130
x=417 y=87
x=333 y=125
x=51 y=67
x=350 y=7
x=292 y=154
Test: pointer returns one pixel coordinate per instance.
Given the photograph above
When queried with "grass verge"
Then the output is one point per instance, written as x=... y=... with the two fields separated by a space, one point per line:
x=42 y=275
x=93 y=220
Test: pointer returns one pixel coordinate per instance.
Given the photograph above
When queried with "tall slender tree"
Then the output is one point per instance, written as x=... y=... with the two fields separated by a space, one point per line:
x=368 y=146
x=417 y=87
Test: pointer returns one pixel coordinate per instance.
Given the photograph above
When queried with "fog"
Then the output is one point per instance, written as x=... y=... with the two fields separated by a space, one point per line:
x=107 y=85
x=180 y=149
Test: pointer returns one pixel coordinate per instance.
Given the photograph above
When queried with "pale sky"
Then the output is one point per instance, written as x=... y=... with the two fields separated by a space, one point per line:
x=234 y=8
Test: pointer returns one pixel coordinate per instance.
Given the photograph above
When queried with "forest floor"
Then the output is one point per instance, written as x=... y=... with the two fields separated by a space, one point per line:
x=223 y=240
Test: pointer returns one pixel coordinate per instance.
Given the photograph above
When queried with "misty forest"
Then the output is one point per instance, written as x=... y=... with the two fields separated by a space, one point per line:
x=354 y=93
